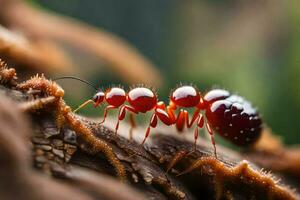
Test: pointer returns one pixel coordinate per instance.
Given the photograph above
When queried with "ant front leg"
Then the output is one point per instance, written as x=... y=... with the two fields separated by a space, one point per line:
x=122 y=114
x=109 y=107
x=200 y=123
x=195 y=117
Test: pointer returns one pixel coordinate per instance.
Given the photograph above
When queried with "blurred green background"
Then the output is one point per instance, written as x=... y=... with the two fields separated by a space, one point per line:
x=248 y=47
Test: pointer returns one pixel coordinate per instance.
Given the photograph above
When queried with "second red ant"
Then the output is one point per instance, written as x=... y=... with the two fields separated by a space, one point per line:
x=231 y=116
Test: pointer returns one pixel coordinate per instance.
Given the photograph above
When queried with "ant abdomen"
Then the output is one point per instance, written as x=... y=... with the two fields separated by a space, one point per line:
x=233 y=117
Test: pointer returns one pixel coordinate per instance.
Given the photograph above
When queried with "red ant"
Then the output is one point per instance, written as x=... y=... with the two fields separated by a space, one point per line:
x=140 y=99
x=230 y=115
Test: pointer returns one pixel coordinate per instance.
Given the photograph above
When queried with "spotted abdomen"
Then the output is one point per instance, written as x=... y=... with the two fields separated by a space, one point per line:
x=234 y=118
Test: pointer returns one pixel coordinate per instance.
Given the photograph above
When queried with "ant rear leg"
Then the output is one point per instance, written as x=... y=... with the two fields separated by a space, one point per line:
x=109 y=107
x=153 y=124
x=197 y=117
x=200 y=123
x=132 y=125
x=122 y=114
x=180 y=122
x=211 y=133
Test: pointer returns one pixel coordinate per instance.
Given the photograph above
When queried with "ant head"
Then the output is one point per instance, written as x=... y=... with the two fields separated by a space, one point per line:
x=98 y=98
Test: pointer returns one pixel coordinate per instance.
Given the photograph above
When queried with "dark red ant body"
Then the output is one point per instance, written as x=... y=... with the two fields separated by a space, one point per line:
x=229 y=115
x=115 y=97
x=232 y=117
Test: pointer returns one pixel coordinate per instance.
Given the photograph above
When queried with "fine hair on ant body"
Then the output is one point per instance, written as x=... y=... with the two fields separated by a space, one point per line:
x=231 y=116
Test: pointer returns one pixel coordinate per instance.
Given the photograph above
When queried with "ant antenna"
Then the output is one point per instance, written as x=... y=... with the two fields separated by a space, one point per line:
x=83 y=81
x=76 y=78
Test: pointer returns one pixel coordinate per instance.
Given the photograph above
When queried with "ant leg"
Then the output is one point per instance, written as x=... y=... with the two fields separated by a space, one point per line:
x=109 y=107
x=210 y=131
x=132 y=125
x=183 y=117
x=153 y=123
x=200 y=124
x=195 y=117
x=122 y=114
x=83 y=105
x=180 y=122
